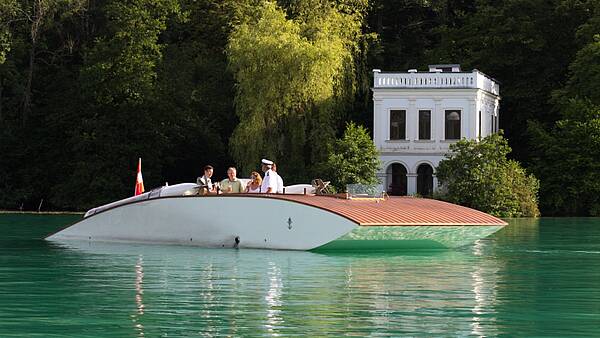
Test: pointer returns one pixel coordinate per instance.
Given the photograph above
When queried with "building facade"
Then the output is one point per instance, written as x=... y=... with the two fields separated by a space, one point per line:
x=417 y=115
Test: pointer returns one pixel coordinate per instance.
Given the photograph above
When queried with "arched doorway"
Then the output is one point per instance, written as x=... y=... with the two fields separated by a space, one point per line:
x=425 y=180
x=396 y=179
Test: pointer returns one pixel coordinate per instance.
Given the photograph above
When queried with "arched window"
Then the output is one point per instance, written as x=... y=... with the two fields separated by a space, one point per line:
x=424 y=124
x=396 y=179
x=425 y=180
x=452 y=125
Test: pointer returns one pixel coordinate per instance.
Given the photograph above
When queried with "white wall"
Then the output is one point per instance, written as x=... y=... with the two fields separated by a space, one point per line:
x=411 y=152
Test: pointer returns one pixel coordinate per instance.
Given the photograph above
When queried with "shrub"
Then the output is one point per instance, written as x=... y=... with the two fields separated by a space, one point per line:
x=477 y=174
x=354 y=159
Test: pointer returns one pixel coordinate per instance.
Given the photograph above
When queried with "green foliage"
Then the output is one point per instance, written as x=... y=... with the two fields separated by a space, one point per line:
x=479 y=175
x=121 y=121
x=105 y=82
x=4 y=44
x=114 y=82
x=408 y=42
x=567 y=155
x=567 y=161
x=121 y=67
x=354 y=159
x=291 y=76
x=8 y=12
x=520 y=50
x=584 y=81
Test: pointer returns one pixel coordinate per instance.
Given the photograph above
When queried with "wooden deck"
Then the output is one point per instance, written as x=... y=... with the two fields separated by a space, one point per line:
x=398 y=211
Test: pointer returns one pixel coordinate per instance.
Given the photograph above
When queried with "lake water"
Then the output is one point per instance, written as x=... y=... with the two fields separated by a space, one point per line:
x=533 y=278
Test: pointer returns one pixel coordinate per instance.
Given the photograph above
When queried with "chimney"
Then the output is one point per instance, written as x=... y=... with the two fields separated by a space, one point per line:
x=445 y=68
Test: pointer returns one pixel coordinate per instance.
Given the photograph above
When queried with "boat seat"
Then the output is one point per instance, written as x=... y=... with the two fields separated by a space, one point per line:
x=299 y=189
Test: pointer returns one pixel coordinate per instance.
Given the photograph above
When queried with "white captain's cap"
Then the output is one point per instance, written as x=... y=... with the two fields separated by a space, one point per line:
x=266 y=162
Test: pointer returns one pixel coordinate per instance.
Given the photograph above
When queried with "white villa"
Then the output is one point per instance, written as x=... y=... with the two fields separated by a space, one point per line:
x=417 y=115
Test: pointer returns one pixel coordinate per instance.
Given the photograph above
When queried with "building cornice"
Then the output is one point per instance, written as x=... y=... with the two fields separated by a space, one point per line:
x=390 y=91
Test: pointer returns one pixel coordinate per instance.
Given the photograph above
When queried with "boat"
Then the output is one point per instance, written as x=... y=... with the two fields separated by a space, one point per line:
x=299 y=219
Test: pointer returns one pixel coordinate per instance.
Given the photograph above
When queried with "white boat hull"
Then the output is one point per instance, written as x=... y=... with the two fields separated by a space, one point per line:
x=217 y=221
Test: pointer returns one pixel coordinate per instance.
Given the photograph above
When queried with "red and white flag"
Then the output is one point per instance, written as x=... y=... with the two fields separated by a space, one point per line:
x=139 y=181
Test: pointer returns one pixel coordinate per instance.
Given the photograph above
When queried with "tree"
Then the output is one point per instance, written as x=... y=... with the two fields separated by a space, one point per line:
x=354 y=159
x=38 y=16
x=119 y=121
x=477 y=174
x=567 y=153
x=584 y=78
x=8 y=13
x=293 y=77
x=567 y=161
x=36 y=88
x=197 y=89
x=520 y=50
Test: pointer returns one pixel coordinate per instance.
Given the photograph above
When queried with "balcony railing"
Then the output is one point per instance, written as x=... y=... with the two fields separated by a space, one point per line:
x=474 y=79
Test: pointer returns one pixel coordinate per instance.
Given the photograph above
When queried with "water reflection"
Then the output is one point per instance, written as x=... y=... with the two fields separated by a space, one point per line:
x=534 y=278
x=410 y=293
x=484 y=291
x=231 y=291
x=139 y=291
x=273 y=299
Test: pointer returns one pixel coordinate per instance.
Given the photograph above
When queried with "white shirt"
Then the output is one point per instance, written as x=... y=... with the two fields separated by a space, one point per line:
x=269 y=181
x=253 y=191
x=279 y=183
x=205 y=181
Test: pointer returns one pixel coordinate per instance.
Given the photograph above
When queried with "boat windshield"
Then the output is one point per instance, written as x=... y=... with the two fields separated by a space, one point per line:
x=365 y=190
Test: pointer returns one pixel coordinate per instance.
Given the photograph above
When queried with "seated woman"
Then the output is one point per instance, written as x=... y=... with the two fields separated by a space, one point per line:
x=253 y=186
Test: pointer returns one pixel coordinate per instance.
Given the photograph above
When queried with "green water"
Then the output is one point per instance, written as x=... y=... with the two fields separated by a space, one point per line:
x=533 y=278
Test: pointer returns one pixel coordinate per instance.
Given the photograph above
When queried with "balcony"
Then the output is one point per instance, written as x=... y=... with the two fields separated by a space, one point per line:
x=438 y=80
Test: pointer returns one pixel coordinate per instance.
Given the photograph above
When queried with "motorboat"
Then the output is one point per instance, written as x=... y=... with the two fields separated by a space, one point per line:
x=298 y=219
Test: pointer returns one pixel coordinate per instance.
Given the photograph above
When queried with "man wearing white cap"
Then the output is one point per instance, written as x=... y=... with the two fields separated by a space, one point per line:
x=269 y=182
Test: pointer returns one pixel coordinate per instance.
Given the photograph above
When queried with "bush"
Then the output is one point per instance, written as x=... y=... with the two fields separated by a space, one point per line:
x=479 y=175
x=354 y=159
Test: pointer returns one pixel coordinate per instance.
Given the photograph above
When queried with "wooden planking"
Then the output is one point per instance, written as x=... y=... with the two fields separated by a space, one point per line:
x=398 y=211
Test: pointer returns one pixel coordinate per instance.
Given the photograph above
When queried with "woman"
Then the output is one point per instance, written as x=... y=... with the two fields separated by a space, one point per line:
x=254 y=186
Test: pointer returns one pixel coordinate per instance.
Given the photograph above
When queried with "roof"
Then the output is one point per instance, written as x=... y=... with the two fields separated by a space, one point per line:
x=398 y=211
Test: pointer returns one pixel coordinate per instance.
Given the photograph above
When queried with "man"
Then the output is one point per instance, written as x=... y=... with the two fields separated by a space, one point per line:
x=205 y=183
x=232 y=184
x=279 y=179
x=269 y=183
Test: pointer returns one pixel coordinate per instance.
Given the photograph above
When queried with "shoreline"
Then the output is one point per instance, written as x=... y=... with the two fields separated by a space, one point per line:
x=41 y=212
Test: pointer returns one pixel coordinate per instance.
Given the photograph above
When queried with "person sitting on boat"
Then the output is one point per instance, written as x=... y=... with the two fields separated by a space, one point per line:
x=253 y=186
x=279 y=179
x=205 y=183
x=232 y=184
x=269 y=183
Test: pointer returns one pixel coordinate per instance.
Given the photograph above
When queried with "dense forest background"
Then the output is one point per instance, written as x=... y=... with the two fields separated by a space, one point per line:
x=88 y=86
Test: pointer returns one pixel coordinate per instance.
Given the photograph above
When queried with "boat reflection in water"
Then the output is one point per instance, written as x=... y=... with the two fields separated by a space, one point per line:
x=186 y=291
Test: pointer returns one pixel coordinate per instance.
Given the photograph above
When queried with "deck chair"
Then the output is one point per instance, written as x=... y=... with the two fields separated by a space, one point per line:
x=321 y=187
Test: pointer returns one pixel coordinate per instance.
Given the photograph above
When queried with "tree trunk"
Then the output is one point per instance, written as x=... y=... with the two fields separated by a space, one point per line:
x=1 y=99
x=39 y=13
x=27 y=94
